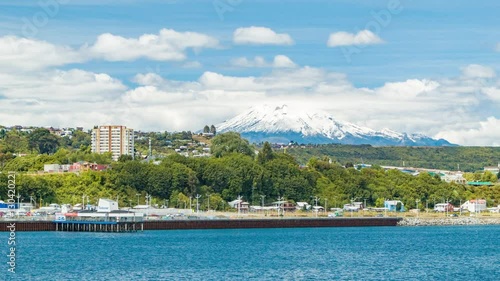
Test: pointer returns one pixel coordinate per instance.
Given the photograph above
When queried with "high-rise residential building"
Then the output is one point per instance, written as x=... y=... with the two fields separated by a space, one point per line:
x=119 y=140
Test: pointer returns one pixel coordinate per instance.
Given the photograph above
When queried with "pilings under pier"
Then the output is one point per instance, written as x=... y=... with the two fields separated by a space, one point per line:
x=97 y=226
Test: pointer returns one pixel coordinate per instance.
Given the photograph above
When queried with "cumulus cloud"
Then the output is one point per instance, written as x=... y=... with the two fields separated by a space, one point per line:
x=23 y=54
x=279 y=61
x=256 y=35
x=408 y=89
x=461 y=109
x=168 y=45
x=56 y=97
x=478 y=71
x=484 y=133
x=363 y=37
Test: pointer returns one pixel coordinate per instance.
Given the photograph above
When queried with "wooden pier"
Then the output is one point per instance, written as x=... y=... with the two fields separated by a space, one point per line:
x=98 y=226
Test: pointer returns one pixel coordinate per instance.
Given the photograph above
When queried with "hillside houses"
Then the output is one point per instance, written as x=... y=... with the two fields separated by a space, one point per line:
x=75 y=167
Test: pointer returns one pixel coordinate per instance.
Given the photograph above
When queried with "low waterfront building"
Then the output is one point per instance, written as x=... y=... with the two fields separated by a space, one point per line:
x=474 y=205
x=354 y=206
x=394 y=206
x=444 y=207
x=303 y=206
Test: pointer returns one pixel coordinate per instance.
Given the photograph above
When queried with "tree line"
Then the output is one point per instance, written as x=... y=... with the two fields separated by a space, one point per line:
x=235 y=169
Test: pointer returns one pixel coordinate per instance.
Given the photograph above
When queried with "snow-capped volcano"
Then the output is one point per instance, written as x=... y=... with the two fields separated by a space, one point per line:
x=278 y=124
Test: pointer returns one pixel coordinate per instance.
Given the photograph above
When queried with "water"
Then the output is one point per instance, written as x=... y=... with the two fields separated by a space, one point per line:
x=367 y=253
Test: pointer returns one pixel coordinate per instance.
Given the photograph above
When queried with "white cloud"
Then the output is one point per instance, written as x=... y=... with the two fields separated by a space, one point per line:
x=363 y=37
x=28 y=54
x=22 y=54
x=478 y=71
x=256 y=35
x=459 y=109
x=168 y=45
x=408 y=89
x=279 y=61
x=56 y=98
x=484 y=133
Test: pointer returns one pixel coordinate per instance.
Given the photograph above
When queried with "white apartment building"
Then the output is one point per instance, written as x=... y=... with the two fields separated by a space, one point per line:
x=115 y=139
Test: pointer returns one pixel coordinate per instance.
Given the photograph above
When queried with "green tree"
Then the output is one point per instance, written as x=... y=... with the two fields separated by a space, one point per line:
x=227 y=143
x=42 y=141
x=206 y=129
x=266 y=153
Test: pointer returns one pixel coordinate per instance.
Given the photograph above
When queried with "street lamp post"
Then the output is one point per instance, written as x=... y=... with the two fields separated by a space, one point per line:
x=279 y=205
x=326 y=205
x=208 y=204
x=316 y=199
x=137 y=194
x=416 y=201
x=197 y=205
x=447 y=206
x=239 y=204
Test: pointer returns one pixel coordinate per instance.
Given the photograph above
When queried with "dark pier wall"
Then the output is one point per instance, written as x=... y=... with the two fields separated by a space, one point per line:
x=269 y=223
x=232 y=223
x=29 y=226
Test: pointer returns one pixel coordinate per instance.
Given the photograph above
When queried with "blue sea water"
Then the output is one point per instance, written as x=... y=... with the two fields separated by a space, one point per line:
x=357 y=253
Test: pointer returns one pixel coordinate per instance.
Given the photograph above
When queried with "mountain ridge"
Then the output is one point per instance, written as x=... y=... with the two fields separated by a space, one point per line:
x=278 y=124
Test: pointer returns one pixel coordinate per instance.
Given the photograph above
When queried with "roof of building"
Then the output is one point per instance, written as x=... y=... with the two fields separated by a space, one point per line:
x=479 y=183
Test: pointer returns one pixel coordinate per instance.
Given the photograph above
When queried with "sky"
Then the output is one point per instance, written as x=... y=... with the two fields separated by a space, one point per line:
x=426 y=66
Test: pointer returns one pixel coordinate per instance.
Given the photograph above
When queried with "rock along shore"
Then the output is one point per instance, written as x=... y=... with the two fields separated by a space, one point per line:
x=448 y=221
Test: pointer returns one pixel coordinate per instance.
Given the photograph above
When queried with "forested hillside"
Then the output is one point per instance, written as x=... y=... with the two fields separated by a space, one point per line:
x=468 y=159
x=233 y=170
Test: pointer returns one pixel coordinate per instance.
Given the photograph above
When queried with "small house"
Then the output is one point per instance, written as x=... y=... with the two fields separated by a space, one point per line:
x=444 y=207
x=394 y=206
x=474 y=205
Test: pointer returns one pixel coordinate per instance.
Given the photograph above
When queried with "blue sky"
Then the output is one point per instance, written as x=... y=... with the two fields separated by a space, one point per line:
x=406 y=57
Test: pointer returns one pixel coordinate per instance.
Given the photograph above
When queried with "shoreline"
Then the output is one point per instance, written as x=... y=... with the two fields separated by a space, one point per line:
x=457 y=221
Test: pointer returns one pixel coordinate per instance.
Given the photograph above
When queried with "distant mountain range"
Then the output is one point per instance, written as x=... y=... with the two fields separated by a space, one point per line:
x=281 y=125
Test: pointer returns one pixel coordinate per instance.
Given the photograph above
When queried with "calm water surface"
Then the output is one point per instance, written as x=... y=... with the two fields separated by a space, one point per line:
x=367 y=253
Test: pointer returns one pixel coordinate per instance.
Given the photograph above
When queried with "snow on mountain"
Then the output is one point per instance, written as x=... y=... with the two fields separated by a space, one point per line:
x=279 y=124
